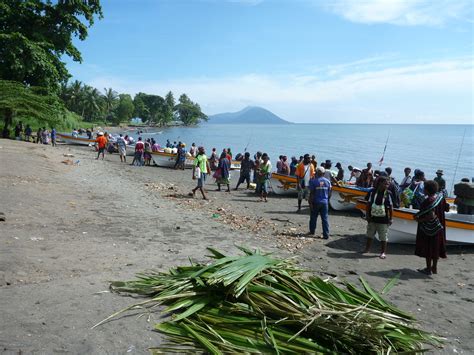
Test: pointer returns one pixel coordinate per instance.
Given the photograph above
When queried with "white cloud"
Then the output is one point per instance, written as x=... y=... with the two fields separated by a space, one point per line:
x=435 y=92
x=402 y=12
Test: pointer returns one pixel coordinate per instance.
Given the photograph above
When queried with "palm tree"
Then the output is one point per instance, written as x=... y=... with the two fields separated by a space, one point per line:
x=110 y=100
x=76 y=96
x=92 y=103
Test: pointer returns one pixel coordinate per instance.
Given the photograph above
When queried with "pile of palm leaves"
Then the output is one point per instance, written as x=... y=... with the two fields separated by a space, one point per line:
x=256 y=303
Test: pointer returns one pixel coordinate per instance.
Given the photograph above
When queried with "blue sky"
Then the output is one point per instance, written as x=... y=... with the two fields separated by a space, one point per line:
x=381 y=61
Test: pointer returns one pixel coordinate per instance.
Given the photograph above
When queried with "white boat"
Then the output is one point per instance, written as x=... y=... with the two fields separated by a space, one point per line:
x=459 y=227
x=283 y=185
x=344 y=197
x=69 y=139
x=168 y=160
x=130 y=150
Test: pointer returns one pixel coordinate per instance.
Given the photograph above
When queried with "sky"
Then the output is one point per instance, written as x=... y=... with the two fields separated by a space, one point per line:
x=311 y=61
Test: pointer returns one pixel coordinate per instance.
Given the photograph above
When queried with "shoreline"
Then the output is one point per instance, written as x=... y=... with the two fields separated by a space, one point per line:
x=70 y=229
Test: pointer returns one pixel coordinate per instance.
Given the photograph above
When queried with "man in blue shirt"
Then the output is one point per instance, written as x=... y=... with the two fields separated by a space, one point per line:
x=319 y=193
x=53 y=137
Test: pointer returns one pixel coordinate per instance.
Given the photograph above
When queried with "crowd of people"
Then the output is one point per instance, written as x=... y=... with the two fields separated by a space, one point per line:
x=314 y=185
x=43 y=135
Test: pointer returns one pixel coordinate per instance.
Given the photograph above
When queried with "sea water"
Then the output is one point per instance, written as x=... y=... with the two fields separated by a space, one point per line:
x=425 y=147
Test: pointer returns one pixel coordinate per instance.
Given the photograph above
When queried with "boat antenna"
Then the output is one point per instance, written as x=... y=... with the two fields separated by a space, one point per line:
x=384 y=149
x=250 y=138
x=457 y=161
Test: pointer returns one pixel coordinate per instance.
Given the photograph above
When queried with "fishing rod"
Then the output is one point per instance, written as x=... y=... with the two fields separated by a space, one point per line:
x=385 y=148
x=250 y=138
x=457 y=162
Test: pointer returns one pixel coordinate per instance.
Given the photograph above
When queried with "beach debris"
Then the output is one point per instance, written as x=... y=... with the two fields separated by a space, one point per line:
x=2 y=217
x=257 y=225
x=67 y=155
x=281 y=220
x=258 y=303
x=68 y=162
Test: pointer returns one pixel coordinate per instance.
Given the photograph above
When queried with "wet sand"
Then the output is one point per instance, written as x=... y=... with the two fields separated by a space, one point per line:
x=69 y=229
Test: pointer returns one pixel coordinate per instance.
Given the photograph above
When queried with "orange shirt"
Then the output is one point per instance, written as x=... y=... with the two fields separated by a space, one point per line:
x=301 y=168
x=101 y=141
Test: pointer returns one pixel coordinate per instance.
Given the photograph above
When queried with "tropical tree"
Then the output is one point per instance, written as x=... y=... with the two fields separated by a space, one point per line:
x=73 y=96
x=140 y=109
x=92 y=104
x=110 y=102
x=156 y=106
x=125 y=108
x=170 y=104
x=20 y=101
x=189 y=112
x=35 y=36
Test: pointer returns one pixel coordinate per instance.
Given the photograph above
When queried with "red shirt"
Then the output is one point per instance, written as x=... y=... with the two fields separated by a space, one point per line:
x=101 y=141
x=139 y=147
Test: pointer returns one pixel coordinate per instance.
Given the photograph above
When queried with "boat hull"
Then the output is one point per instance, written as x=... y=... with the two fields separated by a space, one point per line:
x=344 y=198
x=69 y=139
x=459 y=228
x=283 y=185
x=168 y=160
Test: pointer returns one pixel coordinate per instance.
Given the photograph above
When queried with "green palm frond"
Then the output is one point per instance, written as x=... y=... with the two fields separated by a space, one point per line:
x=256 y=303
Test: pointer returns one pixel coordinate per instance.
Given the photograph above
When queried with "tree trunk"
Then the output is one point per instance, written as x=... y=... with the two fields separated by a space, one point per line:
x=8 y=122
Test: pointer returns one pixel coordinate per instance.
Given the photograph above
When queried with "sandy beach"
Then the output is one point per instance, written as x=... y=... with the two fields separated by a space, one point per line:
x=69 y=229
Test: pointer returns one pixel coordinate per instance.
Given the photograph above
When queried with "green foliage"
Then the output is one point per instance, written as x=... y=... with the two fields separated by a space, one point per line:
x=140 y=109
x=189 y=112
x=257 y=303
x=36 y=34
x=153 y=108
x=110 y=100
x=87 y=101
x=33 y=106
x=170 y=104
x=125 y=108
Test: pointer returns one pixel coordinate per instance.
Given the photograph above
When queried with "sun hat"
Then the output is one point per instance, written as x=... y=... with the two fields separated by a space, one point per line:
x=320 y=169
x=100 y=133
x=439 y=171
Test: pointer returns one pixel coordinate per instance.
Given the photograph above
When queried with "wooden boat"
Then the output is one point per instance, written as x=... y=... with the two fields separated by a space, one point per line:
x=459 y=227
x=344 y=197
x=168 y=160
x=235 y=165
x=283 y=184
x=69 y=139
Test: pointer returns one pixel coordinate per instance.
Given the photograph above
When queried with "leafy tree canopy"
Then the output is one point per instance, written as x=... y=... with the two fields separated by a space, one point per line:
x=35 y=34
x=125 y=109
x=19 y=101
x=189 y=112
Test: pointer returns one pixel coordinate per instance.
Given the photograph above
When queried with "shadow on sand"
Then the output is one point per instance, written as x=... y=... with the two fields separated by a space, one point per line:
x=355 y=243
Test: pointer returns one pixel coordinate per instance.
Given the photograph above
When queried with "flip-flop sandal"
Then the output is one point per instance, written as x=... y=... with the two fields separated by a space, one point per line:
x=383 y=256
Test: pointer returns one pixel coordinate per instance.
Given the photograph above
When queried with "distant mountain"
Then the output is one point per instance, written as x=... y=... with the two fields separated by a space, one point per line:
x=249 y=115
